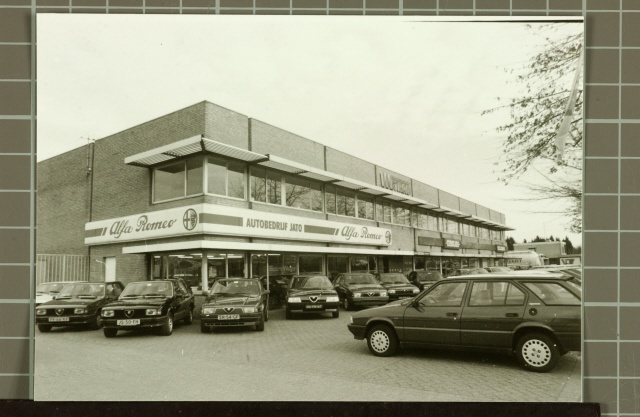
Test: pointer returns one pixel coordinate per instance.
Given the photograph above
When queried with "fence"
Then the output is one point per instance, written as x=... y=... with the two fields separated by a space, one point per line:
x=61 y=268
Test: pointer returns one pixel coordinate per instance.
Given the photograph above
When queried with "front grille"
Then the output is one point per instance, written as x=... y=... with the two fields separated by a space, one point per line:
x=137 y=313
x=371 y=294
x=65 y=312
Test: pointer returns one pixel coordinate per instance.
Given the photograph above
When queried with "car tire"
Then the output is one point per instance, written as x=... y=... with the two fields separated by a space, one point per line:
x=96 y=323
x=382 y=340
x=189 y=318
x=44 y=328
x=347 y=304
x=537 y=352
x=110 y=332
x=287 y=314
x=260 y=324
x=167 y=327
x=266 y=312
x=335 y=314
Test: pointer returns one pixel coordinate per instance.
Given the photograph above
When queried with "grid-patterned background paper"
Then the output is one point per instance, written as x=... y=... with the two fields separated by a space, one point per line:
x=611 y=243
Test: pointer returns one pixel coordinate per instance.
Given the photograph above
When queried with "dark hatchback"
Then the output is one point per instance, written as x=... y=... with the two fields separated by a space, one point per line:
x=77 y=304
x=311 y=294
x=424 y=279
x=360 y=290
x=235 y=302
x=397 y=285
x=534 y=317
x=149 y=304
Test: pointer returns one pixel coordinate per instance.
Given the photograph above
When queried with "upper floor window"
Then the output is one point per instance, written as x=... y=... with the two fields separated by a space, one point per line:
x=423 y=220
x=302 y=193
x=225 y=178
x=383 y=211
x=450 y=226
x=266 y=186
x=177 y=180
x=365 y=207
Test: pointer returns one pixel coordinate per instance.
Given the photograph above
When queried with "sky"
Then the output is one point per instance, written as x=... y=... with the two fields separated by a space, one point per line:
x=405 y=93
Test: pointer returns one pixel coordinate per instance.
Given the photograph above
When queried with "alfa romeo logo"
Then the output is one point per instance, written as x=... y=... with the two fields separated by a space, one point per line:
x=59 y=311
x=228 y=309
x=190 y=219
x=313 y=298
x=387 y=237
x=128 y=313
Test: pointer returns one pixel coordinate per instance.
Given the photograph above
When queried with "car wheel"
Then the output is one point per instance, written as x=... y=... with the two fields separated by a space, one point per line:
x=266 y=312
x=287 y=314
x=189 y=318
x=96 y=323
x=537 y=352
x=167 y=327
x=335 y=314
x=347 y=304
x=110 y=332
x=382 y=340
x=260 y=324
x=44 y=328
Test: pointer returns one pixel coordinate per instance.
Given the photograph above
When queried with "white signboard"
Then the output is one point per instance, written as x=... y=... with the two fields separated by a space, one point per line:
x=231 y=221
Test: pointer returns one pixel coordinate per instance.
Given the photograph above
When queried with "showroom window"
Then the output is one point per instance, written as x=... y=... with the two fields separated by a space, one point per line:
x=177 y=180
x=225 y=178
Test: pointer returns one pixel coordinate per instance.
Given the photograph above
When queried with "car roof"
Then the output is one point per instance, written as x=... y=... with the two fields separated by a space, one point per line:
x=502 y=276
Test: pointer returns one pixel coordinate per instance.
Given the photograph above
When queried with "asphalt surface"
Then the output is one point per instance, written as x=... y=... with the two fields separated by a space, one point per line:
x=310 y=358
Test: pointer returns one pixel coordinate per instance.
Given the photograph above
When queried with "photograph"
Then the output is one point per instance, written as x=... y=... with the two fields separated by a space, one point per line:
x=318 y=208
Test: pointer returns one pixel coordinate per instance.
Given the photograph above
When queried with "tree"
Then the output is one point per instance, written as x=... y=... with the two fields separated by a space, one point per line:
x=568 y=246
x=529 y=145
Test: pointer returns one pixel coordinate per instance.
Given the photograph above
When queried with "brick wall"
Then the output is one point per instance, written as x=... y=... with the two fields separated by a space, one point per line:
x=129 y=267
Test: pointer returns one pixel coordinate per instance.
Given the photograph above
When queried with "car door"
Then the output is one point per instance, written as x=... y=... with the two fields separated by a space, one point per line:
x=181 y=299
x=493 y=310
x=339 y=287
x=434 y=318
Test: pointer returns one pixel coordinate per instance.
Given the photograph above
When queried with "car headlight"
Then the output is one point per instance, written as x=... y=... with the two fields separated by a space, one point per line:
x=357 y=294
x=333 y=299
x=107 y=313
x=153 y=312
x=41 y=311
x=350 y=319
x=415 y=290
x=79 y=311
x=392 y=291
x=383 y=294
x=248 y=309
x=208 y=310
x=294 y=300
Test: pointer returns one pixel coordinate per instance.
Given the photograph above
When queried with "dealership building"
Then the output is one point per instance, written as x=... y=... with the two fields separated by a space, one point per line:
x=206 y=192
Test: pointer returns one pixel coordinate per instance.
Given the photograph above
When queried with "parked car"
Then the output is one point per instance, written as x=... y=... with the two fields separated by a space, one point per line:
x=360 y=290
x=235 y=302
x=397 y=285
x=424 y=279
x=467 y=271
x=77 y=304
x=498 y=269
x=311 y=294
x=48 y=290
x=534 y=317
x=277 y=289
x=149 y=304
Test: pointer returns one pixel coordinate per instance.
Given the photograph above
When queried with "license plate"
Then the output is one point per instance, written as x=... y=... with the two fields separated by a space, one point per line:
x=228 y=316
x=58 y=318
x=314 y=306
x=128 y=322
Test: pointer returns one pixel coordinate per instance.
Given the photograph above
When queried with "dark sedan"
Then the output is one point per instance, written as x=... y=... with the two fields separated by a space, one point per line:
x=77 y=304
x=397 y=285
x=311 y=294
x=235 y=302
x=149 y=304
x=534 y=317
x=360 y=290
x=424 y=279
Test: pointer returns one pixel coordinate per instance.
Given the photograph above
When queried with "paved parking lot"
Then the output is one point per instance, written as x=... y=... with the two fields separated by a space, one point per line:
x=312 y=358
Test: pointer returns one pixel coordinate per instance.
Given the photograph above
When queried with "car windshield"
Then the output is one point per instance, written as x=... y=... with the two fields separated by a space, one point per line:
x=147 y=289
x=235 y=287
x=393 y=279
x=316 y=282
x=81 y=291
x=50 y=287
x=429 y=275
x=361 y=279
